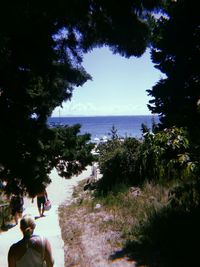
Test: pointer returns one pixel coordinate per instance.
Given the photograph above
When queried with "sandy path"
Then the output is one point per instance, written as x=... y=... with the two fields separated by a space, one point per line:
x=60 y=190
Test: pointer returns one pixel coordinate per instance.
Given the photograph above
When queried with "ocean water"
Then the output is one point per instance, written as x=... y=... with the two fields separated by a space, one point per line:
x=100 y=126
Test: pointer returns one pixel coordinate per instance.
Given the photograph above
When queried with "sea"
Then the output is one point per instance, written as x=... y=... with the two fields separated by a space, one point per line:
x=100 y=126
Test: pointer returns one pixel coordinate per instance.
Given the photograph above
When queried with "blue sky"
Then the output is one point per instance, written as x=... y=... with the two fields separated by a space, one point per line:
x=118 y=87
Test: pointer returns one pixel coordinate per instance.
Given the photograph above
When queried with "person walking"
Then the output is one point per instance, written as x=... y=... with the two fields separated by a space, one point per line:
x=42 y=198
x=32 y=250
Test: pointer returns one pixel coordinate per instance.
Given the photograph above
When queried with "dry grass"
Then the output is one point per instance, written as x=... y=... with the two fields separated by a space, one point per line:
x=95 y=228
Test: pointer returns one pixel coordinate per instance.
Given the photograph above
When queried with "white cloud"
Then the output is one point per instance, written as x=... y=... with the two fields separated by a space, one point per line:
x=84 y=109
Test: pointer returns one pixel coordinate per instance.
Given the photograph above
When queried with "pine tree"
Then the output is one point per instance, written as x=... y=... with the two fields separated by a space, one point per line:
x=176 y=54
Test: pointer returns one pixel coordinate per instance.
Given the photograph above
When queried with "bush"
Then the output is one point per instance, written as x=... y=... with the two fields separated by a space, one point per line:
x=164 y=155
x=186 y=197
x=5 y=215
x=158 y=157
x=117 y=162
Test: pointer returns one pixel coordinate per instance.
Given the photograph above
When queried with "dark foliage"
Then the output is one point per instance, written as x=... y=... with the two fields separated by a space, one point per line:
x=176 y=54
x=168 y=239
x=72 y=151
x=170 y=236
x=117 y=163
x=41 y=49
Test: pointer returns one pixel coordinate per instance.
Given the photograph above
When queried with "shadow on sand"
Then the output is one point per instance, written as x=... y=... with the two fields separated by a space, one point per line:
x=39 y=217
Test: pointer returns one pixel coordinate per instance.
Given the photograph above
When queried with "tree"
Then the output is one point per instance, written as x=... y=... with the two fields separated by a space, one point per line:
x=41 y=49
x=176 y=53
x=113 y=132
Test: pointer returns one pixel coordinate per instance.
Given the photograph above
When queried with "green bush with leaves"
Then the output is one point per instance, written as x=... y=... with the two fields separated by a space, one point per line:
x=117 y=162
x=185 y=197
x=164 y=155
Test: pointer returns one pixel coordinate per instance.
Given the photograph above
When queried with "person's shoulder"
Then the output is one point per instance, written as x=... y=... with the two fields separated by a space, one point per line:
x=37 y=240
x=15 y=246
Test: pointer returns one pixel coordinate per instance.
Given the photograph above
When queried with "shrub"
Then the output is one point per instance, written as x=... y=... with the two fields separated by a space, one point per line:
x=160 y=157
x=117 y=162
x=164 y=155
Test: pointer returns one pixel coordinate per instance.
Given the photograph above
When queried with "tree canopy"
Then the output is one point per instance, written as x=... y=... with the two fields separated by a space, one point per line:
x=175 y=52
x=41 y=49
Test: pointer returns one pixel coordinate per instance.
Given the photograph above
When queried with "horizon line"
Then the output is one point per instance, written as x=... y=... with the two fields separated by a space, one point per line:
x=63 y=116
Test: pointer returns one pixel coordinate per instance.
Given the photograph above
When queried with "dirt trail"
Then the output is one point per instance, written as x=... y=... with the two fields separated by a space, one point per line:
x=88 y=242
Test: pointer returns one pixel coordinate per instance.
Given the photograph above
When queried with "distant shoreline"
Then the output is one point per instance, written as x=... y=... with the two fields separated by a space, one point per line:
x=94 y=116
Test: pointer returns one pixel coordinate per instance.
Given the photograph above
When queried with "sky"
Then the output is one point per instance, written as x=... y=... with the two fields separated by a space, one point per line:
x=118 y=86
